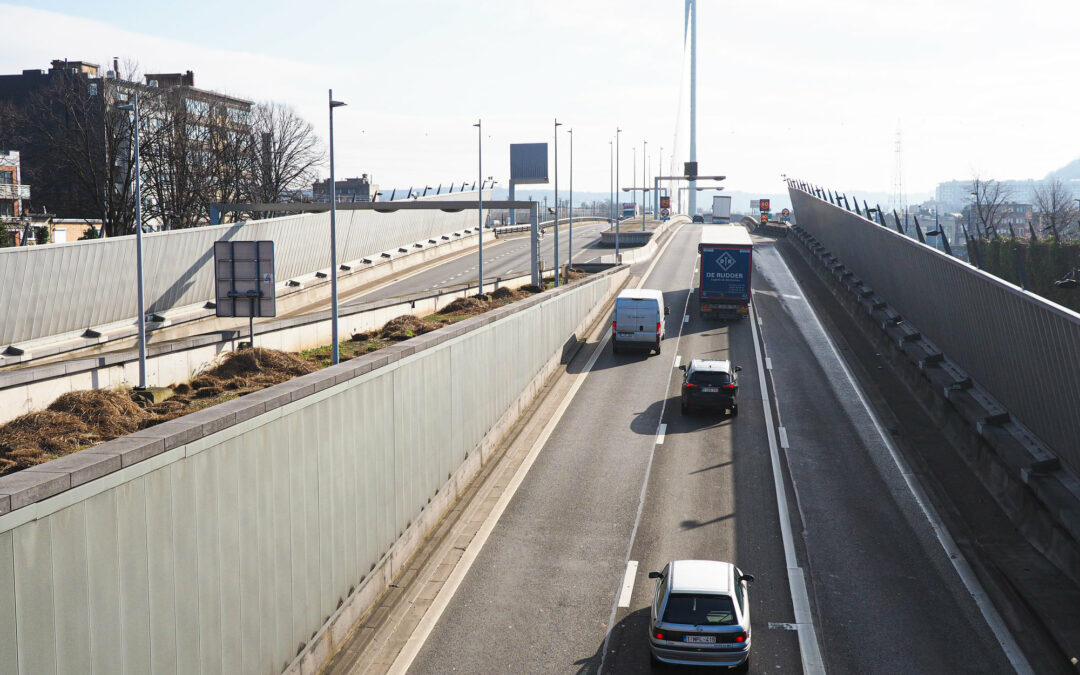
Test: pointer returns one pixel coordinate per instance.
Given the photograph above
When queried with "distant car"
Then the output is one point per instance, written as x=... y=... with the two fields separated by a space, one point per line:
x=710 y=383
x=698 y=219
x=701 y=615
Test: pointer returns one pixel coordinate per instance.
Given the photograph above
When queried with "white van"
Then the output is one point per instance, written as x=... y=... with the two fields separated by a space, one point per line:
x=638 y=322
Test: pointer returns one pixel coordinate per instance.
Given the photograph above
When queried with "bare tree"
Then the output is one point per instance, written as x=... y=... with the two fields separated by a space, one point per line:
x=1056 y=208
x=181 y=163
x=990 y=196
x=286 y=153
x=82 y=147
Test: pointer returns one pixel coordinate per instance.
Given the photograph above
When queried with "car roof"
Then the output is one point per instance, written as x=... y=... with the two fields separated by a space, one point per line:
x=700 y=576
x=714 y=365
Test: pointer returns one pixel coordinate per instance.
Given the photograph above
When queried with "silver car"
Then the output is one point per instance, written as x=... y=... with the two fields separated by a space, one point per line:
x=701 y=614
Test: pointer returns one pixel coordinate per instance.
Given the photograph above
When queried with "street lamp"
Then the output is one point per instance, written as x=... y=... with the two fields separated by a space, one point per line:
x=134 y=107
x=335 y=354
x=480 y=203
x=557 y=125
x=611 y=182
x=644 y=169
x=617 y=214
x=570 y=254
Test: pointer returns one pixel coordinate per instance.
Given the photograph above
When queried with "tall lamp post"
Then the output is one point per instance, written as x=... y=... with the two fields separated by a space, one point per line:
x=134 y=107
x=557 y=125
x=611 y=182
x=644 y=169
x=570 y=254
x=617 y=211
x=480 y=203
x=335 y=354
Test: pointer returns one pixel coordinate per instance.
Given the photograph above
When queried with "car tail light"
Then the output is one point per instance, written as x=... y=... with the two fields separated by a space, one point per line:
x=690 y=386
x=613 y=325
x=729 y=386
x=657 y=332
x=740 y=637
x=659 y=635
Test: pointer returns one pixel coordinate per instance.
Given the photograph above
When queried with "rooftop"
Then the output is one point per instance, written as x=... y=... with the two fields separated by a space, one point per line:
x=700 y=576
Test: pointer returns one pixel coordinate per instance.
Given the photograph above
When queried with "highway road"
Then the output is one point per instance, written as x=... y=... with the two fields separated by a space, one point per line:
x=801 y=490
x=504 y=257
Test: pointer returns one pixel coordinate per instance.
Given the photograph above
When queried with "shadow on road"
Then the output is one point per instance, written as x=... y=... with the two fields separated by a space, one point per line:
x=628 y=651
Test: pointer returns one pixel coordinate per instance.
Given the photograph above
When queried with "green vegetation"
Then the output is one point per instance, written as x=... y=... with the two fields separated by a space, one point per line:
x=1045 y=262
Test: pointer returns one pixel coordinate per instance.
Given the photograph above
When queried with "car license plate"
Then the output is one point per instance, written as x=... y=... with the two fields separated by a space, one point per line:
x=700 y=639
x=626 y=335
x=710 y=390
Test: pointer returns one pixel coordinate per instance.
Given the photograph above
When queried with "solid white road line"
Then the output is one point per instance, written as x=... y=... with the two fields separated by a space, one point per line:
x=442 y=600
x=1005 y=639
x=628 y=583
x=660 y=434
x=809 y=649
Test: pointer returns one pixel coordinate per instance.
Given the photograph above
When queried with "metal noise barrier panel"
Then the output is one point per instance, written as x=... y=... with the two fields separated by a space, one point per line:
x=1023 y=348
x=228 y=552
x=60 y=288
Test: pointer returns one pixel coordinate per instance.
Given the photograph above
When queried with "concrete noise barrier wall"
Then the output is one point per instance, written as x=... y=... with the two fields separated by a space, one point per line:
x=228 y=540
x=1022 y=348
x=62 y=288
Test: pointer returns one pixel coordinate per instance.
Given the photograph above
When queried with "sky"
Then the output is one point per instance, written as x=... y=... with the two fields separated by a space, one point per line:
x=813 y=90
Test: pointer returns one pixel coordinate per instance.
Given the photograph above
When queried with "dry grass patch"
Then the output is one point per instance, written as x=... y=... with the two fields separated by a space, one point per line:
x=80 y=419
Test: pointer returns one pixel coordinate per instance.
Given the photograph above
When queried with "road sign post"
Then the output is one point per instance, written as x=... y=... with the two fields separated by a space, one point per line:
x=244 y=281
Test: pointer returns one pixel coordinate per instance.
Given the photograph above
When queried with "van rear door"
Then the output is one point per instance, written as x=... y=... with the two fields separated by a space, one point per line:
x=636 y=319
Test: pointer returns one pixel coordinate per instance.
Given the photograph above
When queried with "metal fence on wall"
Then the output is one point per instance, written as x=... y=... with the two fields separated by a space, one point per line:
x=227 y=552
x=1024 y=349
x=60 y=288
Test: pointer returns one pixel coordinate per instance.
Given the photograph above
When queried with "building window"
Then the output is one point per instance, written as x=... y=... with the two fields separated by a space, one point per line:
x=7 y=177
x=93 y=88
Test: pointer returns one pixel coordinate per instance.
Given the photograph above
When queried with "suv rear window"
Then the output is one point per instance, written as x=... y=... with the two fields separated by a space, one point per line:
x=699 y=610
x=710 y=378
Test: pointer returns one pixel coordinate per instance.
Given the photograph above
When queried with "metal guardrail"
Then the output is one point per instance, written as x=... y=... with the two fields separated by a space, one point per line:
x=1024 y=349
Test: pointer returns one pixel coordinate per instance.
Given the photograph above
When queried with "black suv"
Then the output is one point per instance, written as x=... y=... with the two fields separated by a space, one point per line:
x=709 y=383
x=698 y=219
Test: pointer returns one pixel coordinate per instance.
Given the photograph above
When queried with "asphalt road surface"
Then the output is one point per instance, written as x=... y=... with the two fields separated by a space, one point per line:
x=502 y=258
x=859 y=583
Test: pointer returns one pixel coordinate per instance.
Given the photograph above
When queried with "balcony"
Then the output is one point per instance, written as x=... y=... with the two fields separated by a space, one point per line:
x=14 y=191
